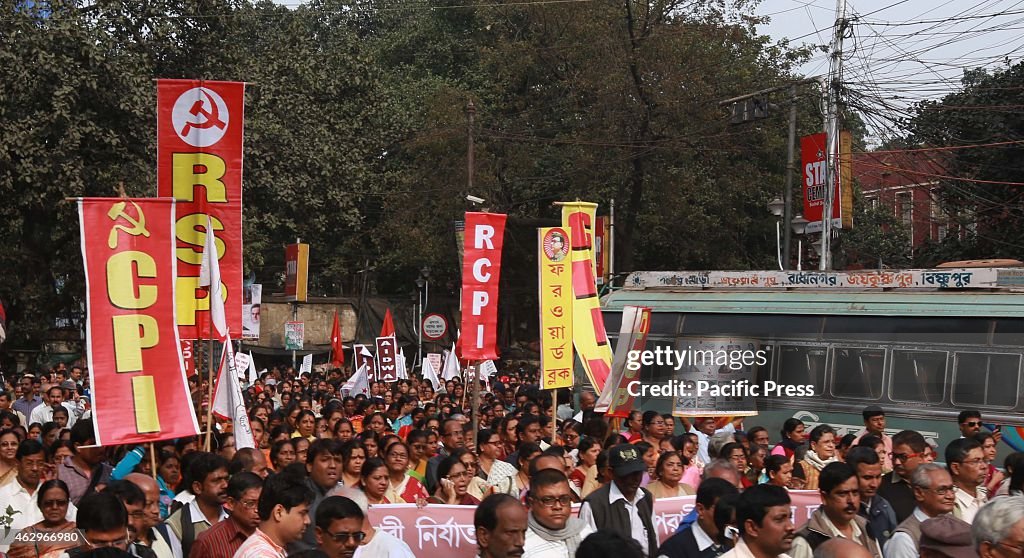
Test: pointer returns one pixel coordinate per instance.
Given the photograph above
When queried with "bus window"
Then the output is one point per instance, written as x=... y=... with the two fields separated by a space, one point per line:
x=905 y=329
x=665 y=323
x=918 y=376
x=612 y=322
x=802 y=365
x=986 y=379
x=754 y=326
x=1009 y=331
x=857 y=372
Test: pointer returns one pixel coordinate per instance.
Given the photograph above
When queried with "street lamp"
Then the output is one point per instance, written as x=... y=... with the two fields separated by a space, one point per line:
x=776 y=206
x=799 y=224
x=423 y=290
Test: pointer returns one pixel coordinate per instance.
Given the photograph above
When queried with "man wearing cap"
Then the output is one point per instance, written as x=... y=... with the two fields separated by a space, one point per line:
x=874 y=425
x=622 y=505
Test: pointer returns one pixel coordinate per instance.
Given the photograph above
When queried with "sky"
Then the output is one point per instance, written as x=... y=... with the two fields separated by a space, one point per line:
x=901 y=52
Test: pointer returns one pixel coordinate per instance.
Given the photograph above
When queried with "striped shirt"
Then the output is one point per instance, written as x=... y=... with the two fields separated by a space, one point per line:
x=223 y=539
x=259 y=545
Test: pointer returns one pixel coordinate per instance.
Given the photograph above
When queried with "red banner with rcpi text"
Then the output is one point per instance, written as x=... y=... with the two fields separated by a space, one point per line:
x=199 y=163
x=481 y=270
x=135 y=365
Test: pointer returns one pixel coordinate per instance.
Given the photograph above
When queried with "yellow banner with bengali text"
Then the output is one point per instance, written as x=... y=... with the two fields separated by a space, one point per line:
x=555 y=280
x=589 y=336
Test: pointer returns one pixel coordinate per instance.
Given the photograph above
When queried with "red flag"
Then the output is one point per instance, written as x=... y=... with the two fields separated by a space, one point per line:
x=388 y=329
x=337 y=354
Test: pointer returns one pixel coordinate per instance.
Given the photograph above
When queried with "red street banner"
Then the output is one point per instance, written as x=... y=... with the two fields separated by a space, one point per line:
x=615 y=400
x=444 y=530
x=135 y=364
x=199 y=163
x=481 y=269
x=387 y=370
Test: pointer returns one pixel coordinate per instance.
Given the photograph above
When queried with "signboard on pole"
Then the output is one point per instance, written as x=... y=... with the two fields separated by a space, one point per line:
x=136 y=368
x=296 y=276
x=251 y=311
x=434 y=326
x=615 y=399
x=814 y=162
x=199 y=163
x=555 y=284
x=294 y=336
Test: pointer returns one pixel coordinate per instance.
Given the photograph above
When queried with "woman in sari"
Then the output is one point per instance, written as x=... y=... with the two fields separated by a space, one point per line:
x=374 y=482
x=453 y=484
x=402 y=487
x=54 y=499
x=669 y=473
x=8 y=449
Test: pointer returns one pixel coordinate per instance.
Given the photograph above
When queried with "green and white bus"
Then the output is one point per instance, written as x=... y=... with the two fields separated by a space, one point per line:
x=922 y=344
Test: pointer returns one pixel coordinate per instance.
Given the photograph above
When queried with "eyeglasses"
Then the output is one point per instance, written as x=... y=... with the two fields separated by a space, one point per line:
x=1018 y=549
x=469 y=464
x=343 y=536
x=973 y=423
x=940 y=490
x=973 y=462
x=550 y=501
x=54 y=503
x=904 y=456
x=249 y=504
x=462 y=475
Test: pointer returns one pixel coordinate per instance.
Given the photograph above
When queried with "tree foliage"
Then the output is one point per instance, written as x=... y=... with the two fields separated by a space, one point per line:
x=356 y=129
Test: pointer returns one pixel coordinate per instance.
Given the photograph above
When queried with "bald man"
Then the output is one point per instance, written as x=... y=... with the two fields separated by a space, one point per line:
x=838 y=547
x=156 y=536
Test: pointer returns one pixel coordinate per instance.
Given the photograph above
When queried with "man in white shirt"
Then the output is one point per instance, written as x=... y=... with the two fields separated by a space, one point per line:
x=21 y=494
x=704 y=428
x=966 y=463
x=44 y=413
x=552 y=532
x=622 y=505
x=934 y=492
x=766 y=528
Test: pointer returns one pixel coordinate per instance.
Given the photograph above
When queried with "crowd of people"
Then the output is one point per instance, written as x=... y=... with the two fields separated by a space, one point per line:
x=325 y=457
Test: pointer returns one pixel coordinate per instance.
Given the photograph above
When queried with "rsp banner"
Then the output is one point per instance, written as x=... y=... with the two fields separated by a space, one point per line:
x=481 y=270
x=136 y=370
x=199 y=163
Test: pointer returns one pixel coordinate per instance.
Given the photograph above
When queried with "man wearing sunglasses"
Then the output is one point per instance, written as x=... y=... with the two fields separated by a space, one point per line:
x=552 y=531
x=343 y=525
x=970 y=424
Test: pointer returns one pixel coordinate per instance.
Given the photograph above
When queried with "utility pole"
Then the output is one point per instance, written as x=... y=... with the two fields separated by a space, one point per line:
x=787 y=218
x=471 y=373
x=743 y=114
x=835 y=76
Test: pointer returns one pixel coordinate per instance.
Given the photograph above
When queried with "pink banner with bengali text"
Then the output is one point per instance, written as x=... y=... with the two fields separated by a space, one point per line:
x=448 y=530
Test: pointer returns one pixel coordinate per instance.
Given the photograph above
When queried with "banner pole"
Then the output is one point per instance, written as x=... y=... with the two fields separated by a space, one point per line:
x=209 y=365
x=475 y=398
x=152 y=459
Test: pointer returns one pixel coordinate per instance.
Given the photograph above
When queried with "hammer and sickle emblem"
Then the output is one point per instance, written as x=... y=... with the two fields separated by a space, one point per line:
x=211 y=118
x=117 y=211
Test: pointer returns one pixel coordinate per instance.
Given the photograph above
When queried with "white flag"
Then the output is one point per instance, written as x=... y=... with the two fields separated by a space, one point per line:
x=252 y=370
x=209 y=276
x=357 y=384
x=241 y=364
x=451 y=365
x=228 y=402
x=403 y=373
x=429 y=372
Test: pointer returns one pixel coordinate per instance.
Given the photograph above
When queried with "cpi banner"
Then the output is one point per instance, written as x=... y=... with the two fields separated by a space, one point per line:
x=135 y=363
x=616 y=400
x=481 y=270
x=444 y=530
x=554 y=268
x=199 y=163
x=588 y=336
